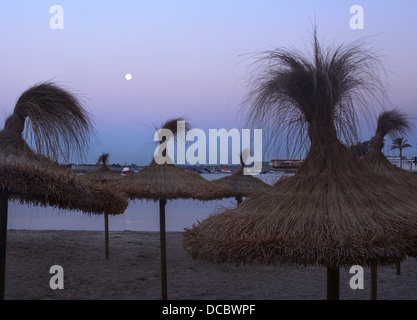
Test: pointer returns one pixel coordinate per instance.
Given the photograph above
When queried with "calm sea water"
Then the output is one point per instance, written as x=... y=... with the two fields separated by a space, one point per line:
x=139 y=216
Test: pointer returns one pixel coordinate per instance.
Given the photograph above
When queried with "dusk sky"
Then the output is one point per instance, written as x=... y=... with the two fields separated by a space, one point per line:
x=186 y=58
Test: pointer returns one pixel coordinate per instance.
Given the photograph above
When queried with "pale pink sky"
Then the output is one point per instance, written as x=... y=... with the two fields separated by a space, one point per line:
x=187 y=58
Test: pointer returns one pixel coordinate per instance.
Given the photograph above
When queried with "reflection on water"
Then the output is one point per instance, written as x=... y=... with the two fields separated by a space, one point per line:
x=139 y=215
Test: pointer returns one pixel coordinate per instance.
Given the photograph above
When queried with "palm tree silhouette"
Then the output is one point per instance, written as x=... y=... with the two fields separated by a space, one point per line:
x=400 y=144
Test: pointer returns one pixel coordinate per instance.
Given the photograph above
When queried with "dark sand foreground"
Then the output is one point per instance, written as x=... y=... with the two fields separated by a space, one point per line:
x=133 y=272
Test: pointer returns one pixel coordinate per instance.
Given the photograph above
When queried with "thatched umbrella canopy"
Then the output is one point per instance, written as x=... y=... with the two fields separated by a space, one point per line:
x=59 y=125
x=333 y=212
x=103 y=175
x=242 y=184
x=170 y=182
x=40 y=184
x=162 y=182
x=392 y=122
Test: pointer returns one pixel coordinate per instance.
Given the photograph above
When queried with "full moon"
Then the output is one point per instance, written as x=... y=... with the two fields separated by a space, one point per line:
x=128 y=76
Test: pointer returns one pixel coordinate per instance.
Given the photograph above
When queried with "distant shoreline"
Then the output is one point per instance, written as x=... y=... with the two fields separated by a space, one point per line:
x=202 y=169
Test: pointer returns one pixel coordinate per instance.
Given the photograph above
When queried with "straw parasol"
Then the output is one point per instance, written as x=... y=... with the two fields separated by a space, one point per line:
x=103 y=175
x=59 y=125
x=392 y=122
x=333 y=212
x=163 y=182
x=242 y=184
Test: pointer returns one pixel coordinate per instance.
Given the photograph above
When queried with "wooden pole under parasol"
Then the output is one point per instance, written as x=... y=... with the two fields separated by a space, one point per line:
x=332 y=284
x=106 y=233
x=374 y=277
x=162 y=235
x=4 y=198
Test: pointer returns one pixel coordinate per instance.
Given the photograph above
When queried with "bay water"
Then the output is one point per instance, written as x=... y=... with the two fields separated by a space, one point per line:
x=140 y=215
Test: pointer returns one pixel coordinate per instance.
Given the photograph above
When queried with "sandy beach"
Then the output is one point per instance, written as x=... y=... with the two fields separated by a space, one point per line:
x=132 y=272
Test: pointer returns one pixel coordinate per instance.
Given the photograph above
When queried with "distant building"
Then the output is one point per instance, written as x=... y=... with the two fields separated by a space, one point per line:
x=406 y=164
x=285 y=163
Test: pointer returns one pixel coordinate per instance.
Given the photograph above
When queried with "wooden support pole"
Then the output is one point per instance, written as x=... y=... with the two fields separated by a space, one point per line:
x=162 y=231
x=106 y=233
x=332 y=284
x=374 y=277
x=4 y=199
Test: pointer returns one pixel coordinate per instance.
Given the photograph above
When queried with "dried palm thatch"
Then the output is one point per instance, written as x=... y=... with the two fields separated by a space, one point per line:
x=54 y=119
x=168 y=181
x=162 y=182
x=290 y=89
x=310 y=219
x=42 y=185
x=333 y=212
x=103 y=174
x=59 y=125
x=392 y=122
x=242 y=184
